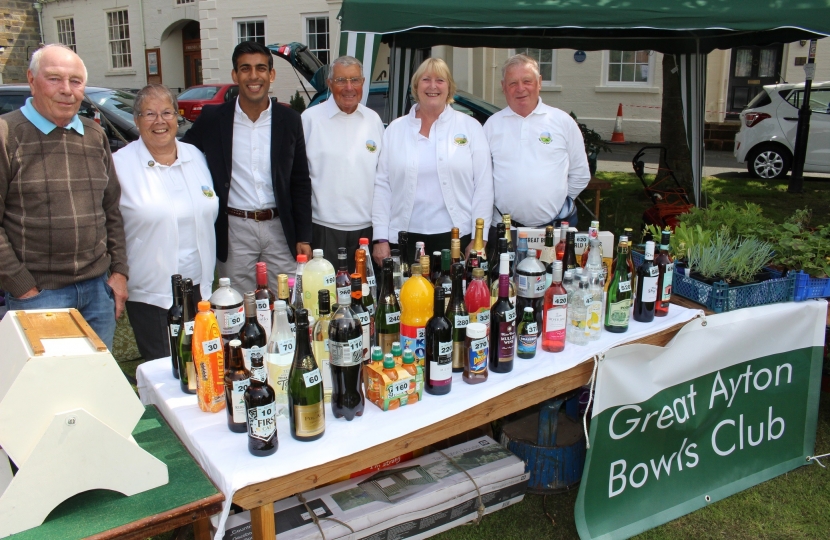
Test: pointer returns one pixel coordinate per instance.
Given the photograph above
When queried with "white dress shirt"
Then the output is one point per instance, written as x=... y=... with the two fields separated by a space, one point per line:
x=251 y=183
x=342 y=152
x=151 y=213
x=464 y=169
x=429 y=206
x=537 y=162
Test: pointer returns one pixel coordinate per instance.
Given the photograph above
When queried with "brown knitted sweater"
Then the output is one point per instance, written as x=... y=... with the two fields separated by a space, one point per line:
x=59 y=218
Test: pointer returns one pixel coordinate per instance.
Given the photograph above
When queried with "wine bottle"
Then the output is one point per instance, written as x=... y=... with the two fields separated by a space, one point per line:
x=346 y=362
x=665 y=264
x=435 y=269
x=265 y=298
x=556 y=312
x=342 y=280
x=527 y=334
x=646 y=295
x=494 y=284
x=388 y=314
x=493 y=252
x=403 y=246
x=458 y=316
x=362 y=315
x=280 y=354
x=260 y=411
x=439 y=347
x=362 y=265
x=283 y=294
x=569 y=258
x=174 y=321
x=560 y=246
x=320 y=343
x=369 y=272
x=548 y=254
x=503 y=323
x=306 y=414
x=252 y=334
x=237 y=380
x=187 y=373
x=444 y=280
x=618 y=297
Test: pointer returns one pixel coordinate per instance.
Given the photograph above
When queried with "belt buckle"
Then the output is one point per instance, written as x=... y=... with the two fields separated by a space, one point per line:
x=256 y=216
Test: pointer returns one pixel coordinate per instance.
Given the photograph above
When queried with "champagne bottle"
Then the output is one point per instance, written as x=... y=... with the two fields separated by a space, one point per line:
x=342 y=280
x=665 y=264
x=477 y=258
x=237 y=380
x=283 y=294
x=306 y=414
x=646 y=295
x=403 y=246
x=265 y=298
x=346 y=353
x=439 y=347
x=187 y=373
x=502 y=323
x=260 y=411
x=618 y=297
x=511 y=247
x=252 y=334
x=174 y=321
x=458 y=316
x=388 y=314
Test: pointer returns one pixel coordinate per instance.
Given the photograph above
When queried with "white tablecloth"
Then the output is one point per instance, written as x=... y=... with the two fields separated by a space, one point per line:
x=224 y=455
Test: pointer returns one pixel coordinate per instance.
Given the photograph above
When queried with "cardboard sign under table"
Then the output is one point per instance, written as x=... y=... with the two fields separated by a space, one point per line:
x=254 y=482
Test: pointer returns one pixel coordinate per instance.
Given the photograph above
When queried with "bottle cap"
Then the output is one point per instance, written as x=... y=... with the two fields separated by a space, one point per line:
x=408 y=356
x=377 y=354
x=302 y=258
x=204 y=305
x=261 y=268
x=396 y=348
x=388 y=361
x=395 y=253
x=224 y=282
x=649 y=250
x=565 y=224
x=478 y=273
x=415 y=269
x=281 y=305
x=528 y=308
x=522 y=234
x=235 y=343
x=317 y=253
x=364 y=241
x=291 y=281
x=476 y=330
x=531 y=253
x=504 y=263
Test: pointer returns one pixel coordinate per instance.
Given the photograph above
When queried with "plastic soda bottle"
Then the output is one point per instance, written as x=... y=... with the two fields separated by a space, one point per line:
x=416 y=310
x=208 y=360
x=318 y=274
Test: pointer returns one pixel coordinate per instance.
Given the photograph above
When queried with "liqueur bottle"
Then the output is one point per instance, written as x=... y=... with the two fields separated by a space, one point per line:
x=458 y=316
x=388 y=314
x=362 y=315
x=306 y=413
x=283 y=294
x=476 y=351
x=403 y=246
x=280 y=354
x=665 y=264
x=208 y=360
x=260 y=411
x=342 y=280
x=369 y=273
x=174 y=321
x=556 y=311
x=187 y=373
x=455 y=251
x=237 y=380
x=618 y=296
x=439 y=346
x=477 y=299
x=563 y=242
x=320 y=343
x=416 y=310
x=569 y=258
x=646 y=295
x=346 y=362
x=527 y=334
x=226 y=304
x=252 y=334
x=503 y=323
x=265 y=298
x=494 y=284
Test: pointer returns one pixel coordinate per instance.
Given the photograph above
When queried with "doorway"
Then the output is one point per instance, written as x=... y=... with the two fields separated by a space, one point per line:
x=192 y=50
x=750 y=69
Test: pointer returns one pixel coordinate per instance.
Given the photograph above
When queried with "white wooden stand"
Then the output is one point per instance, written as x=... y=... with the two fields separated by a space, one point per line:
x=66 y=419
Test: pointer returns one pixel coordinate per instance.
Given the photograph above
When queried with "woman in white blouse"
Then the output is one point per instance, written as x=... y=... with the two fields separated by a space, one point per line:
x=434 y=171
x=169 y=206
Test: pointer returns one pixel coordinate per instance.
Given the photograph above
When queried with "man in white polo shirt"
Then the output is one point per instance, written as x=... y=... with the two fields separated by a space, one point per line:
x=539 y=160
x=343 y=144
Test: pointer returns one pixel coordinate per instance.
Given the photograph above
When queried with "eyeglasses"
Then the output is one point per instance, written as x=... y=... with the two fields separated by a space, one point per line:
x=151 y=116
x=341 y=81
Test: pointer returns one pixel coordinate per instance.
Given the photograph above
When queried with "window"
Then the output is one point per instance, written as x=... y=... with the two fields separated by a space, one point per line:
x=819 y=100
x=118 y=31
x=629 y=68
x=66 y=32
x=317 y=36
x=251 y=31
x=12 y=101
x=547 y=62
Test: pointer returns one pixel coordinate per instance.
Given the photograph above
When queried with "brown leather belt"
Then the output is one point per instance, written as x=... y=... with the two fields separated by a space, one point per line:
x=256 y=215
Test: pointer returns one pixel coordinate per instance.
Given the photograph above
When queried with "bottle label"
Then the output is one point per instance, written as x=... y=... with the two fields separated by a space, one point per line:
x=461 y=321
x=649 y=292
x=482 y=316
x=188 y=328
x=507 y=340
x=363 y=318
x=527 y=343
x=329 y=280
x=230 y=320
x=555 y=320
x=386 y=340
x=367 y=341
x=580 y=241
x=259 y=373
x=532 y=328
x=594 y=315
x=174 y=330
x=211 y=346
x=531 y=286
x=238 y=400
x=246 y=354
x=286 y=346
x=414 y=337
x=370 y=281
x=348 y=353
x=625 y=286
x=262 y=305
x=478 y=354
x=400 y=388
x=668 y=277
x=262 y=421
x=588 y=300
x=312 y=378
x=447 y=289
x=278 y=379
x=393 y=318
x=548 y=255
x=309 y=420
x=511 y=256
x=441 y=370
x=560 y=299
x=510 y=315
x=618 y=313
x=483 y=265
x=445 y=349
x=344 y=294
x=263 y=317
x=653 y=271
x=371 y=309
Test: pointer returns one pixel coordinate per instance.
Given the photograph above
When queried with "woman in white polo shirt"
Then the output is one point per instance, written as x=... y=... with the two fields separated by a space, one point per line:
x=434 y=171
x=169 y=206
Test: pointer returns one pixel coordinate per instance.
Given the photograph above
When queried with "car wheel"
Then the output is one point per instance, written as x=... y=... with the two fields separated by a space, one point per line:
x=768 y=161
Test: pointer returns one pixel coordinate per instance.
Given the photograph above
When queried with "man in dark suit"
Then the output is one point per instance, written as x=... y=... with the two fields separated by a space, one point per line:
x=255 y=150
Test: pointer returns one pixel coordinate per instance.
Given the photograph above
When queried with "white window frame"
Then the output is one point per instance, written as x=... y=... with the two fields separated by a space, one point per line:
x=128 y=41
x=551 y=84
x=236 y=22
x=67 y=32
x=606 y=58
x=304 y=32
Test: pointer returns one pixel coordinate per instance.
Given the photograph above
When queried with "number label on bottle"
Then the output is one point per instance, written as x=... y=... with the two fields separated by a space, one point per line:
x=238 y=399
x=560 y=299
x=477 y=345
x=539 y=287
x=329 y=280
x=484 y=317
x=580 y=241
x=188 y=328
x=588 y=300
x=211 y=346
x=669 y=268
x=393 y=318
x=532 y=328
x=444 y=348
x=262 y=421
x=397 y=389
x=625 y=286
x=363 y=318
x=510 y=315
x=174 y=330
x=234 y=319
x=511 y=255
x=447 y=288
x=285 y=346
x=370 y=280
x=461 y=321
x=262 y=305
x=653 y=271
x=312 y=378
x=344 y=294
x=555 y=320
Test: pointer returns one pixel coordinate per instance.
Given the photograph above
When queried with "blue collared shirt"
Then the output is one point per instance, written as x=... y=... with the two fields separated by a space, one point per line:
x=44 y=125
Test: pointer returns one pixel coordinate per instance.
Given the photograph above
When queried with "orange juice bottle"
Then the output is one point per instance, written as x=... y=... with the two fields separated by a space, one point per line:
x=389 y=367
x=410 y=367
x=208 y=360
x=416 y=309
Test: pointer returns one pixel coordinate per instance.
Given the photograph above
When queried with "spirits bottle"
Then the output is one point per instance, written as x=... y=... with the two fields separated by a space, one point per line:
x=252 y=334
x=439 y=346
x=568 y=281
x=403 y=246
x=556 y=310
x=297 y=291
x=283 y=294
x=458 y=316
x=560 y=246
x=493 y=251
x=209 y=360
x=618 y=297
x=578 y=331
x=346 y=362
x=477 y=299
x=226 y=304
x=569 y=258
x=476 y=352
x=187 y=373
x=260 y=411
x=306 y=413
x=320 y=343
x=665 y=264
x=388 y=314
x=646 y=295
x=527 y=334
x=530 y=285
x=317 y=274
x=494 y=284
x=367 y=300
x=416 y=310
x=503 y=323
x=593 y=261
x=342 y=280
x=237 y=380
x=174 y=321
x=369 y=273
x=265 y=298
x=362 y=315
x=280 y=354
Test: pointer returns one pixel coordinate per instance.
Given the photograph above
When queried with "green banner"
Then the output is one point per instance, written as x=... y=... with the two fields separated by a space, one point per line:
x=714 y=433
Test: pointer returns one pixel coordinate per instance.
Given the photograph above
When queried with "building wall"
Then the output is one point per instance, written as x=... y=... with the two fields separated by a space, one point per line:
x=19 y=37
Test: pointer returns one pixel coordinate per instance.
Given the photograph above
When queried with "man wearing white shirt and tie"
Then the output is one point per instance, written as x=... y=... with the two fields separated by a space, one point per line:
x=539 y=160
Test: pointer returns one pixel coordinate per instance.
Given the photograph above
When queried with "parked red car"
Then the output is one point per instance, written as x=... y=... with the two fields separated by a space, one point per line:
x=192 y=100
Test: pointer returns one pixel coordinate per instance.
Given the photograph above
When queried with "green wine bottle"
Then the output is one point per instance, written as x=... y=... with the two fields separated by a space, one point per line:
x=306 y=414
x=388 y=315
x=187 y=373
x=618 y=298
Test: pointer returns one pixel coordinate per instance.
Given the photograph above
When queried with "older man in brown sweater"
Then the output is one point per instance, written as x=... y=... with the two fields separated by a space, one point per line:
x=61 y=234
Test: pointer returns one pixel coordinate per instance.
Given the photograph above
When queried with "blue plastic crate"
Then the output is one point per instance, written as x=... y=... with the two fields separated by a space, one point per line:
x=720 y=297
x=807 y=287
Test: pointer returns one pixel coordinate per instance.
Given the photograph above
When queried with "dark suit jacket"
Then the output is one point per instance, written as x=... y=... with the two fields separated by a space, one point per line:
x=212 y=133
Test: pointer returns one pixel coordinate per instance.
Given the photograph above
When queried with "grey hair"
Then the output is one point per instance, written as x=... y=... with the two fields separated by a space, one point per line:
x=34 y=63
x=153 y=91
x=520 y=60
x=345 y=61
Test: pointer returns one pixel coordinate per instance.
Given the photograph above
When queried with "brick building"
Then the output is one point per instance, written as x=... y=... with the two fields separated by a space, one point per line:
x=19 y=38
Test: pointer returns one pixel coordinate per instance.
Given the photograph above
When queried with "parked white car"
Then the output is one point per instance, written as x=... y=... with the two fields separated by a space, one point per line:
x=768 y=125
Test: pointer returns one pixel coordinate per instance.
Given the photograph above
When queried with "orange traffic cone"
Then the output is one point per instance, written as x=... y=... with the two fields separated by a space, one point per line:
x=618 y=137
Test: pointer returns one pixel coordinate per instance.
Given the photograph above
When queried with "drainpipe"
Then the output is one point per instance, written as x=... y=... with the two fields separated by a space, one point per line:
x=39 y=8
x=144 y=39
x=724 y=84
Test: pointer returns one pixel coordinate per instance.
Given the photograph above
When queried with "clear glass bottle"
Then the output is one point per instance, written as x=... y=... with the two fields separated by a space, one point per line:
x=279 y=355
x=320 y=339
x=226 y=303
x=578 y=332
x=596 y=288
x=297 y=290
x=370 y=270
